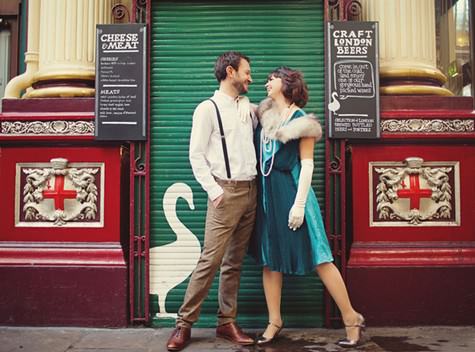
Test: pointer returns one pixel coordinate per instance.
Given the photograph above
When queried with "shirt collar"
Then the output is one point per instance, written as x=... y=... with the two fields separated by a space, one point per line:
x=228 y=99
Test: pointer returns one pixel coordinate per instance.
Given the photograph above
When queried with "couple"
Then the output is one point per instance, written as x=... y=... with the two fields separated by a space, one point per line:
x=289 y=236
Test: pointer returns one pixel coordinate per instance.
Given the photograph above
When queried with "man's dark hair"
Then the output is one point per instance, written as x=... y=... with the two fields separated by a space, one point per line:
x=229 y=58
x=294 y=87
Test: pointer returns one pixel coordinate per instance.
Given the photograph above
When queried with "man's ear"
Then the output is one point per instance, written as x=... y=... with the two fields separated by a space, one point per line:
x=230 y=71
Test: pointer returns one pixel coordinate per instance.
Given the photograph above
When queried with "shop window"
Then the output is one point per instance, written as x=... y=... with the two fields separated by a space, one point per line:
x=5 y=43
x=454 y=49
x=10 y=11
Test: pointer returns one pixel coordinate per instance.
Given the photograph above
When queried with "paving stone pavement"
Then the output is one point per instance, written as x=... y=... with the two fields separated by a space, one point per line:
x=141 y=339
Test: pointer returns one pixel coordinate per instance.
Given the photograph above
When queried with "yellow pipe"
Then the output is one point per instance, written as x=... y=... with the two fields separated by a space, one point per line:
x=24 y=81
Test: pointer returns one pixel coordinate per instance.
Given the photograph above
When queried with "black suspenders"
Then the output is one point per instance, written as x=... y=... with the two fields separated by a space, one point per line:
x=223 y=140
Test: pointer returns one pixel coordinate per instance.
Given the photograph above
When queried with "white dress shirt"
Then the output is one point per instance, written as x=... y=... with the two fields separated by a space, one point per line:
x=206 y=150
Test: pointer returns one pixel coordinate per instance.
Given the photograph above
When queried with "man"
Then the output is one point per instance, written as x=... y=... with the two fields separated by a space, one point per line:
x=223 y=160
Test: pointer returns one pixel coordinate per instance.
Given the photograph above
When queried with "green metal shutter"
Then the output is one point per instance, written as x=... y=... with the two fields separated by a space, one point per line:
x=187 y=36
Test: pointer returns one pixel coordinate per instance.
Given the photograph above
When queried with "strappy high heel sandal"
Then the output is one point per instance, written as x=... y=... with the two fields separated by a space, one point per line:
x=262 y=340
x=361 y=326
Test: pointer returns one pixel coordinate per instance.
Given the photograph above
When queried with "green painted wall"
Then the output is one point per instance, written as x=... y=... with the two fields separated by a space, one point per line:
x=187 y=36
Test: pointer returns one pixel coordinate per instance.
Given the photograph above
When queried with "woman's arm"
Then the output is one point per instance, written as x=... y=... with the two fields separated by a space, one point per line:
x=297 y=212
x=306 y=148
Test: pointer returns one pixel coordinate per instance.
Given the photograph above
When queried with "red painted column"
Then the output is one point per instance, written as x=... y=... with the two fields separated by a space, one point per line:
x=63 y=217
x=413 y=214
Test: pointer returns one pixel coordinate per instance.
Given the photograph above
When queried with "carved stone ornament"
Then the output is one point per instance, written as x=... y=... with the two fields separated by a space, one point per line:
x=427 y=126
x=59 y=195
x=416 y=193
x=47 y=128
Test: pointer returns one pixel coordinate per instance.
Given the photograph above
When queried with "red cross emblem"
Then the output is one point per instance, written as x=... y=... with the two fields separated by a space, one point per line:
x=59 y=194
x=414 y=192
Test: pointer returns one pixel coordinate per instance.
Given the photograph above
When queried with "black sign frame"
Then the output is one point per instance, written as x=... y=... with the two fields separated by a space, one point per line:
x=121 y=82
x=352 y=89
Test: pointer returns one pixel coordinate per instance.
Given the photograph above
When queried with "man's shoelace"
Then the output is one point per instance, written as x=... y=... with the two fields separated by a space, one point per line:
x=178 y=332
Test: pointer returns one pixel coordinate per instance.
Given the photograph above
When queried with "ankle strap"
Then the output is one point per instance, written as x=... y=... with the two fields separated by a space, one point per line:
x=274 y=325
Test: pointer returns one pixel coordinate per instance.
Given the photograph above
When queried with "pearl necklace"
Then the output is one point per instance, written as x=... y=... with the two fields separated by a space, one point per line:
x=268 y=144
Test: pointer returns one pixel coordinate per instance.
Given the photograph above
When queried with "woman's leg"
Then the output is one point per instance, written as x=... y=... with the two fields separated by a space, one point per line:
x=331 y=277
x=272 y=281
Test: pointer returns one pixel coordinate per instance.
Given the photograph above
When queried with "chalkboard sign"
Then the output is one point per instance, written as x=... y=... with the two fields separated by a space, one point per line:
x=353 y=79
x=121 y=84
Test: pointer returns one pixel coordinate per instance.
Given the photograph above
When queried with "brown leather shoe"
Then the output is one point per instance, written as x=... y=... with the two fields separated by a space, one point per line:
x=233 y=333
x=179 y=339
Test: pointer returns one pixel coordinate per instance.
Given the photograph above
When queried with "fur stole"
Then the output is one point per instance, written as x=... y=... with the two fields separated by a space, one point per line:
x=269 y=117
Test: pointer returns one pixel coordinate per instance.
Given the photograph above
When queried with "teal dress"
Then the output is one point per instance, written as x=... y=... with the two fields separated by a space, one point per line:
x=273 y=244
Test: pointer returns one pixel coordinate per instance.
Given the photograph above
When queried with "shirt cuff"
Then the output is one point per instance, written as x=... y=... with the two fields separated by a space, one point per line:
x=214 y=192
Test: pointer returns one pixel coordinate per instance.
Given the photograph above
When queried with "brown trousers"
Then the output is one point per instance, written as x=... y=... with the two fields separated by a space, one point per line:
x=227 y=232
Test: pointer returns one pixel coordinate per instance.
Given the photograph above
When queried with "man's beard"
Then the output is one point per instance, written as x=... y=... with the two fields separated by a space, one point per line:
x=240 y=87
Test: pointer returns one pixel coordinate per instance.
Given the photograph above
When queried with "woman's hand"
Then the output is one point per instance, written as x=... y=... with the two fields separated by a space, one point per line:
x=297 y=212
x=296 y=216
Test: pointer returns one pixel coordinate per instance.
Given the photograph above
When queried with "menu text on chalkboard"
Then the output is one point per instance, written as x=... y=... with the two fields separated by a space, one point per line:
x=353 y=79
x=121 y=82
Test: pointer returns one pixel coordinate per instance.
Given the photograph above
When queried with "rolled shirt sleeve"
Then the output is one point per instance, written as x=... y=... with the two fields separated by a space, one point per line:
x=201 y=131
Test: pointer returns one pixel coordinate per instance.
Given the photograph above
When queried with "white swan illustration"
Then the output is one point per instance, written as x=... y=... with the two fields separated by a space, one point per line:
x=334 y=105
x=171 y=264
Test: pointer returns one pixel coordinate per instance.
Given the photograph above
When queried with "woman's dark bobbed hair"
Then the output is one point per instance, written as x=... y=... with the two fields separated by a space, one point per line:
x=294 y=87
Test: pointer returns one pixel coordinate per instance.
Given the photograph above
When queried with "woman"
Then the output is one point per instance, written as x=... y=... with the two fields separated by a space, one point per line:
x=289 y=236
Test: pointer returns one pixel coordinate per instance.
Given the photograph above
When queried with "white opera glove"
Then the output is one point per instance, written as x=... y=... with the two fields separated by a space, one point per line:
x=244 y=108
x=297 y=212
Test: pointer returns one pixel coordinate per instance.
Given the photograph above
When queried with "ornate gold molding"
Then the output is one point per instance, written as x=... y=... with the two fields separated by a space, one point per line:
x=47 y=128
x=427 y=126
